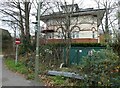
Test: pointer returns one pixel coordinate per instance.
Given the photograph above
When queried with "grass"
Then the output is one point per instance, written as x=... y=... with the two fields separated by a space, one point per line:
x=48 y=80
x=64 y=81
x=57 y=80
x=19 y=67
x=52 y=80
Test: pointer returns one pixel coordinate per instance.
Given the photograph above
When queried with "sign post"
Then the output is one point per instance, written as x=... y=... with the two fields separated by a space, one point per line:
x=17 y=42
x=16 y=54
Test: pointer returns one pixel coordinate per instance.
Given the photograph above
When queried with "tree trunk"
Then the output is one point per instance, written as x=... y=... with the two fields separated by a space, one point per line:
x=68 y=42
x=27 y=32
x=21 y=23
x=106 y=25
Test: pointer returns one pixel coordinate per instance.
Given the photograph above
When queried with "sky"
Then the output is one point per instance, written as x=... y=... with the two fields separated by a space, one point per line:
x=85 y=4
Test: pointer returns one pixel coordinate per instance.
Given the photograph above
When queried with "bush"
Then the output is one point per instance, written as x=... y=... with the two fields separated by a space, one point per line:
x=116 y=44
x=78 y=45
x=116 y=48
x=30 y=76
x=58 y=80
x=7 y=42
x=101 y=69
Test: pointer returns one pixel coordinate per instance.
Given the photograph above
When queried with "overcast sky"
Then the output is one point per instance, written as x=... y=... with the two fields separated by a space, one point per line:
x=85 y=4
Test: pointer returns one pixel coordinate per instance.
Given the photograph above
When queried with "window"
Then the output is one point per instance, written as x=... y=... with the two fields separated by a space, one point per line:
x=75 y=34
x=93 y=32
x=60 y=35
x=50 y=35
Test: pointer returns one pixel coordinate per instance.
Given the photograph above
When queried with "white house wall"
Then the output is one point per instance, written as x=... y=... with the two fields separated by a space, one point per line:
x=87 y=34
x=85 y=23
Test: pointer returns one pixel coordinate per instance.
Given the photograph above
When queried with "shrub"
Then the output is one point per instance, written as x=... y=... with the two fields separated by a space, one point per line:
x=58 y=80
x=30 y=76
x=102 y=68
x=116 y=44
x=78 y=45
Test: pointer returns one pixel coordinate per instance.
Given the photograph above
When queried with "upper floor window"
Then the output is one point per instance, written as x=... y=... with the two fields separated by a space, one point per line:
x=93 y=32
x=75 y=34
x=50 y=35
x=59 y=33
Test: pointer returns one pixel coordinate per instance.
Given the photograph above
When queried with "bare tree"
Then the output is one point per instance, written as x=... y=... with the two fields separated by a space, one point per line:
x=109 y=6
x=116 y=44
x=64 y=19
x=14 y=28
x=20 y=13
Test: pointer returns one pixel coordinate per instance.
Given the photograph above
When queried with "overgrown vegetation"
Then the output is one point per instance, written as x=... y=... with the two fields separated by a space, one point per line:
x=60 y=81
x=19 y=68
x=52 y=55
x=7 y=42
x=116 y=44
x=101 y=69
x=77 y=45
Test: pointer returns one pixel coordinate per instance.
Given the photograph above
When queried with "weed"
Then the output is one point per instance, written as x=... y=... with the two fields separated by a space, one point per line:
x=30 y=76
x=19 y=67
x=58 y=80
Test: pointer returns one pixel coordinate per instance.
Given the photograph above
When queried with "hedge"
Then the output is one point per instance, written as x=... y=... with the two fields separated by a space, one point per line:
x=78 y=45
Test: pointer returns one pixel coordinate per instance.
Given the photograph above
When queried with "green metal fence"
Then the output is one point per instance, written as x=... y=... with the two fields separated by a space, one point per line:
x=76 y=53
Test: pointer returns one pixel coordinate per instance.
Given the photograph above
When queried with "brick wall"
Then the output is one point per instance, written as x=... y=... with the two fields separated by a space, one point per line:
x=85 y=40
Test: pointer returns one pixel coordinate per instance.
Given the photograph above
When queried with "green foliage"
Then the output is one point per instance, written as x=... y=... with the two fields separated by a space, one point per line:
x=7 y=42
x=102 y=68
x=58 y=80
x=19 y=67
x=116 y=45
x=26 y=47
x=78 y=45
x=88 y=45
x=22 y=49
x=65 y=81
x=30 y=76
x=51 y=55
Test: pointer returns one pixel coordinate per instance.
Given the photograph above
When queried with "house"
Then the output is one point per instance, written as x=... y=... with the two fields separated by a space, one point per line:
x=84 y=24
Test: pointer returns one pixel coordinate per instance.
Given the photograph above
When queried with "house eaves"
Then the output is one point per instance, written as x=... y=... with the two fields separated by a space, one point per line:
x=99 y=13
